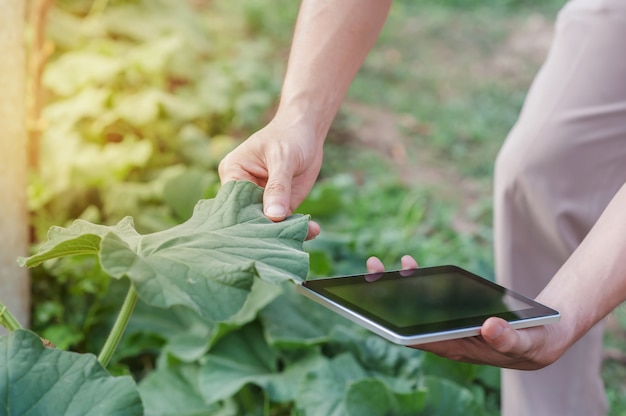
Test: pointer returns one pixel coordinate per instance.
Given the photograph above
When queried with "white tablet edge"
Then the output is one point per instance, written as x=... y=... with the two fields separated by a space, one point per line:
x=417 y=339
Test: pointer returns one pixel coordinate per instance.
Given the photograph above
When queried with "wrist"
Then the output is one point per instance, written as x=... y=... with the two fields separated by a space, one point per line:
x=572 y=325
x=308 y=119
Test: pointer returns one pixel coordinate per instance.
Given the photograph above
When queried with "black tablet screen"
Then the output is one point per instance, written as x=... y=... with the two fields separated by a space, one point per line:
x=424 y=297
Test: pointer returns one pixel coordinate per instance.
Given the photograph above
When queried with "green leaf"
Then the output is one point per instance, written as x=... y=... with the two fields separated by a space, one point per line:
x=461 y=373
x=342 y=387
x=306 y=324
x=174 y=391
x=207 y=264
x=75 y=70
x=368 y=397
x=240 y=358
x=82 y=237
x=154 y=55
x=322 y=392
x=445 y=397
x=260 y=295
x=88 y=103
x=400 y=366
x=488 y=376
x=284 y=387
x=410 y=403
x=175 y=332
x=326 y=198
x=182 y=191
x=35 y=380
x=63 y=336
x=145 y=21
x=141 y=108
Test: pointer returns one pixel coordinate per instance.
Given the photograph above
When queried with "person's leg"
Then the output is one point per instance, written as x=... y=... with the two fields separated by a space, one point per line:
x=559 y=167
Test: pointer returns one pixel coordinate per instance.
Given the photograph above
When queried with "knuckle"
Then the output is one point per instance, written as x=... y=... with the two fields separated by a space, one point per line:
x=275 y=187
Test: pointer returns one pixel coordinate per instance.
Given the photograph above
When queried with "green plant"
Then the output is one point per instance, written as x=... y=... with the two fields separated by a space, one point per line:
x=209 y=265
x=243 y=340
x=145 y=97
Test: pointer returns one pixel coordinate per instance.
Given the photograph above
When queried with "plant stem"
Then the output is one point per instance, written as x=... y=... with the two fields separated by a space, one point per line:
x=119 y=326
x=7 y=319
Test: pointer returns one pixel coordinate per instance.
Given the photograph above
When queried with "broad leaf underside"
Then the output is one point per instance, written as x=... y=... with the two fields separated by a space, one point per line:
x=207 y=263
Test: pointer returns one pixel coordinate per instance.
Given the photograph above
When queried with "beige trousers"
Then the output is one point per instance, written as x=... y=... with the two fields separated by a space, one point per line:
x=562 y=163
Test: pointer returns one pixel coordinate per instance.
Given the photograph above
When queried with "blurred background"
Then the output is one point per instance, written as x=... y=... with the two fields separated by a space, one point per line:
x=133 y=103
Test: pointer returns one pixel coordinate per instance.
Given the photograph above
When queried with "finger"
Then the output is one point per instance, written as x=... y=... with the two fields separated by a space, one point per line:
x=228 y=171
x=276 y=198
x=503 y=338
x=277 y=194
x=408 y=262
x=374 y=265
x=314 y=230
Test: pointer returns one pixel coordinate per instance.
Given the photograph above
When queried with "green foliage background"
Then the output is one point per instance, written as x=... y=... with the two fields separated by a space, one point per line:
x=144 y=98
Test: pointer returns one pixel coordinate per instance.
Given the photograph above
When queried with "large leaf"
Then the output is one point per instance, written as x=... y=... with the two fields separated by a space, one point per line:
x=463 y=374
x=323 y=391
x=306 y=324
x=240 y=358
x=448 y=398
x=207 y=264
x=261 y=294
x=174 y=391
x=399 y=366
x=35 y=380
x=244 y=357
x=285 y=386
x=343 y=387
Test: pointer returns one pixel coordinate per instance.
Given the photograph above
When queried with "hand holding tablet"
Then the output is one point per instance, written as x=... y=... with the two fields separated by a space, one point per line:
x=425 y=305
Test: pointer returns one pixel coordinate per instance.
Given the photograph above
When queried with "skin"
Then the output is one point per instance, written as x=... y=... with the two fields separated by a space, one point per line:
x=330 y=42
x=587 y=288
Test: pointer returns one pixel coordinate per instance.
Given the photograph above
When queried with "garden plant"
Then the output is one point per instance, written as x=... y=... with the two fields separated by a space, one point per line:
x=162 y=291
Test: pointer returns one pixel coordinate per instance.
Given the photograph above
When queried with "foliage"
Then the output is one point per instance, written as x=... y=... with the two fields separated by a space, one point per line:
x=234 y=332
x=387 y=219
x=207 y=263
x=308 y=359
x=36 y=380
x=144 y=98
x=189 y=266
x=140 y=98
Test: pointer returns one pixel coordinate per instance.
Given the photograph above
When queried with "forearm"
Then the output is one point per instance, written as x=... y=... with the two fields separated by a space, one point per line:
x=593 y=280
x=331 y=40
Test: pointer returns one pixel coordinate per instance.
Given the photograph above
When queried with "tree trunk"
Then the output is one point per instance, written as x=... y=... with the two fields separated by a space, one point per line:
x=14 y=280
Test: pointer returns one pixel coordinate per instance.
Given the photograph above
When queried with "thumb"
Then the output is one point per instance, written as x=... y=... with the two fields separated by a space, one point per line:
x=504 y=338
x=276 y=198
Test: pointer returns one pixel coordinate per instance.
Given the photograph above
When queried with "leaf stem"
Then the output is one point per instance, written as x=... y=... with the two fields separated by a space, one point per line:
x=119 y=327
x=7 y=319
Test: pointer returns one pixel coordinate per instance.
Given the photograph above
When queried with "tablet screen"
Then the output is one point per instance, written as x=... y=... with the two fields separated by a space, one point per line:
x=427 y=299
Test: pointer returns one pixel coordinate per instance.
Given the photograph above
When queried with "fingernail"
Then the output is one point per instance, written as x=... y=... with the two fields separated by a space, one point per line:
x=275 y=211
x=496 y=332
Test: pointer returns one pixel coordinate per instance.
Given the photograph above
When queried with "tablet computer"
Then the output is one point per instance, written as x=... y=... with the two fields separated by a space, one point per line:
x=417 y=306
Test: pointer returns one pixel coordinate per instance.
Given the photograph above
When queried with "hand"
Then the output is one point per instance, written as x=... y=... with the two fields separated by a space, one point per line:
x=498 y=344
x=284 y=158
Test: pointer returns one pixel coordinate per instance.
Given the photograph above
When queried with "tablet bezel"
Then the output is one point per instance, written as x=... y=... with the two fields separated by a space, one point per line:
x=315 y=289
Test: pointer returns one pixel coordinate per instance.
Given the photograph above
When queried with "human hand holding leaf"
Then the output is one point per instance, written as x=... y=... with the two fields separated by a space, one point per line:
x=207 y=263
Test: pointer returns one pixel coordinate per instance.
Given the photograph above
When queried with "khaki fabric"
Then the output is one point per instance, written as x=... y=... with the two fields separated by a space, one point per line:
x=559 y=167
